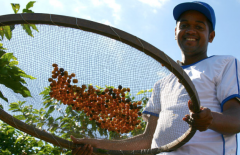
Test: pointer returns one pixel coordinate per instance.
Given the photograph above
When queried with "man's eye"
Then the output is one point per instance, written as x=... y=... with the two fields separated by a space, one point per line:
x=199 y=27
x=183 y=26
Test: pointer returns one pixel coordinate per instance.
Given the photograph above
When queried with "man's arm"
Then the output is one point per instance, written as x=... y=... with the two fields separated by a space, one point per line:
x=227 y=122
x=139 y=142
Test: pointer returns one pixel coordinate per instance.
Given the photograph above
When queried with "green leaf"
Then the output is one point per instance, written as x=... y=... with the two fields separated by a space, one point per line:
x=40 y=143
x=34 y=27
x=140 y=92
x=13 y=63
x=50 y=110
x=1 y=46
x=46 y=91
x=68 y=109
x=7 y=31
x=12 y=27
x=27 y=76
x=21 y=103
x=1 y=106
x=35 y=111
x=50 y=120
x=27 y=11
x=30 y=4
x=149 y=90
x=40 y=124
x=2 y=53
x=27 y=29
x=16 y=86
x=4 y=98
x=15 y=7
x=8 y=57
x=14 y=106
x=1 y=31
x=18 y=139
x=20 y=117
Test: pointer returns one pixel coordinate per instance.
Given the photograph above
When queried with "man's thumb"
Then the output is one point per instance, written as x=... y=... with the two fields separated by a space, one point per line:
x=190 y=105
x=73 y=139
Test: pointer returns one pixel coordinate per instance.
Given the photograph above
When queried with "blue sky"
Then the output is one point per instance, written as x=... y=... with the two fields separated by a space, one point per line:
x=150 y=20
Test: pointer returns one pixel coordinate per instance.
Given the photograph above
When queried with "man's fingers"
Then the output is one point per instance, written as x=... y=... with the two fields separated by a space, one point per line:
x=75 y=151
x=85 y=150
x=203 y=114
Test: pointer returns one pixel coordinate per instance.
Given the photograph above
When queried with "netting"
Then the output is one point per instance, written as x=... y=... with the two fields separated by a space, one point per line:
x=101 y=64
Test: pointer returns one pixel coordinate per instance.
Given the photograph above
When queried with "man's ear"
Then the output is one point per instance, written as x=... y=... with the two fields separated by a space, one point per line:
x=211 y=36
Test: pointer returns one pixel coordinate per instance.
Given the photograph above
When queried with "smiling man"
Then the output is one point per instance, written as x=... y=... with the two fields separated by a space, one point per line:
x=216 y=79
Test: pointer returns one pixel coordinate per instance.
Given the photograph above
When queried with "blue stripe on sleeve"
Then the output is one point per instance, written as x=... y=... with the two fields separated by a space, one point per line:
x=228 y=98
x=151 y=113
x=237 y=74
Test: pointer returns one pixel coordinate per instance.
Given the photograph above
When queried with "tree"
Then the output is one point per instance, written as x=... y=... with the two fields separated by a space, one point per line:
x=14 y=141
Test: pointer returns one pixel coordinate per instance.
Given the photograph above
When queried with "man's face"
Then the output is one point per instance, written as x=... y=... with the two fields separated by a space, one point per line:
x=192 y=33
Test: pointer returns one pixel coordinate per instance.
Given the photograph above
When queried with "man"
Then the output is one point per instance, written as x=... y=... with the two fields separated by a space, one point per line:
x=216 y=80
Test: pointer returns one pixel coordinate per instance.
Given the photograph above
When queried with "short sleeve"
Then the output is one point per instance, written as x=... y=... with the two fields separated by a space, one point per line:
x=153 y=106
x=228 y=81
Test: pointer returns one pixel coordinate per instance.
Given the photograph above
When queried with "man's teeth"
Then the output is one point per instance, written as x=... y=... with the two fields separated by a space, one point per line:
x=190 y=39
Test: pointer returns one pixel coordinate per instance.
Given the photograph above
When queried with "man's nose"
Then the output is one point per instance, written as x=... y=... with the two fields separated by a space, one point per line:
x=190 y=31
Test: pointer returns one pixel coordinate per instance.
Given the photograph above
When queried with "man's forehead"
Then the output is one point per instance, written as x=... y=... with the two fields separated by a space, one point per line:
x=202 y=7
x=193 y=15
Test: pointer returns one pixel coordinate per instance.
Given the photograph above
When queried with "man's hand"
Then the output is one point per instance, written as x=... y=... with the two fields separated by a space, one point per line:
x=200 y=121
x=85 y=150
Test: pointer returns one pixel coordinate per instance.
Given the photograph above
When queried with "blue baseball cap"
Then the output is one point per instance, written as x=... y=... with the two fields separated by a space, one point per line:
x=202 y=7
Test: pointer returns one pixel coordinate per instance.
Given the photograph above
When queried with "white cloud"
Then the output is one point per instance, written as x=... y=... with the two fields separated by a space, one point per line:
x=106 y=22
x=78 y=8
x=112 y=4
x=154 y=3
x=96 y=2
x=56 y=4
x=116 y=8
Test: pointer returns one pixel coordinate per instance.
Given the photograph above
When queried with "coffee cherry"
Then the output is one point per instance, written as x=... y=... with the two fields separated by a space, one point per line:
x=139 y=102
x=54 y=65
x=128 y=100
x=120 y=87
x=65 y=73
x=75 y=80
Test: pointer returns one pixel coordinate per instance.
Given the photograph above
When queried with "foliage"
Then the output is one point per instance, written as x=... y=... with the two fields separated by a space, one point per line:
x=26 y=27
x=70 y=122
x=10 y=75
x=14 y=141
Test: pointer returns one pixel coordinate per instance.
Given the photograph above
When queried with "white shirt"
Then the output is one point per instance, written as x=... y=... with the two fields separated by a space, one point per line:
x=216 y=80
